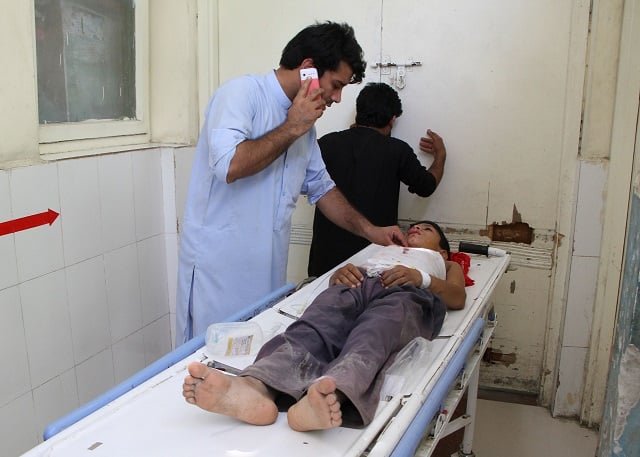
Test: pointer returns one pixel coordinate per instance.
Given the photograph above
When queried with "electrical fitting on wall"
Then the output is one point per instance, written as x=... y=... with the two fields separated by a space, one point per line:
x=399 y=77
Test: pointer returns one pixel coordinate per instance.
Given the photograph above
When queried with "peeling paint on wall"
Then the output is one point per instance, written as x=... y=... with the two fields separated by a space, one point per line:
x=514 y=232
x=495 y=356
x=628 y=391
x=621 y=419
x=538 y=254
x=517 y=217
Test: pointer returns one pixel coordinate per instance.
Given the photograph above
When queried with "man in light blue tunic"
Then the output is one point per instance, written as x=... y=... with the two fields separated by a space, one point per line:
x=256 y=154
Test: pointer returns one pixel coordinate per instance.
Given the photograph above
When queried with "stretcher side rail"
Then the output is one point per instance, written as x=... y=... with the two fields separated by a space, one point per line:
x=468 y=381
x=469 y=352
x=424 y=406
x=159 y=365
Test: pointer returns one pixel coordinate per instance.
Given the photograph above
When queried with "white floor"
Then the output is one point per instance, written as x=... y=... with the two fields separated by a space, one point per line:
x=510 y=429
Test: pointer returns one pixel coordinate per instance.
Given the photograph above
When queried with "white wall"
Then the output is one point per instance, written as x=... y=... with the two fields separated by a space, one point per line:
x=86 y=301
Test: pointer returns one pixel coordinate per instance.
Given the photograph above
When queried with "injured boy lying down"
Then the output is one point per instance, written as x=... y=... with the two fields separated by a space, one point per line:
x=327 y=368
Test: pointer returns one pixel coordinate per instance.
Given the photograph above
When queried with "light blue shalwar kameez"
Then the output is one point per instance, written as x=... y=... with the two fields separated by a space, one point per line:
x=235 y=237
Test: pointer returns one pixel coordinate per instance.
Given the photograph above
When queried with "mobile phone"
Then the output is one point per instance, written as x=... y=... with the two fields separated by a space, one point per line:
x=312 y=73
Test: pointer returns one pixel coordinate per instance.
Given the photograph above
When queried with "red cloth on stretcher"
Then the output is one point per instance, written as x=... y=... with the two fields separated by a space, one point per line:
x=465 y=262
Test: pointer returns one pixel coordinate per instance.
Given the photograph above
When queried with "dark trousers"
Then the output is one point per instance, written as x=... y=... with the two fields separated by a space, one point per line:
x=351 y=335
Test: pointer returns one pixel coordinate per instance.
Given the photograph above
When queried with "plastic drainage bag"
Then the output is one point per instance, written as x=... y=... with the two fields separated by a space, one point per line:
x=233 y=338
x=402 y=375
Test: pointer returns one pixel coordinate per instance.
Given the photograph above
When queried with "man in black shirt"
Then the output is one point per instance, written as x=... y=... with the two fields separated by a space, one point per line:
x=368 y=165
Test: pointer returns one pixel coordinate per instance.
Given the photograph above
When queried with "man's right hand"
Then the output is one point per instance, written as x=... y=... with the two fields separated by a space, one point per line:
x=386 y=236
x=434 y=145
x=305 y=109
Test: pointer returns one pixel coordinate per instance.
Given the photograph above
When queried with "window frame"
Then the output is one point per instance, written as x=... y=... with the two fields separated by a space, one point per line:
x=63 y=137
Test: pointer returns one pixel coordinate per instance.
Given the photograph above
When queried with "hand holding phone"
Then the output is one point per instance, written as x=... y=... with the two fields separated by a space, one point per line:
x=306 y=73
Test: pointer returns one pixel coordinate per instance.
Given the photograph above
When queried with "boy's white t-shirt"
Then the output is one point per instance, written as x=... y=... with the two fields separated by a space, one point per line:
x=427 y=261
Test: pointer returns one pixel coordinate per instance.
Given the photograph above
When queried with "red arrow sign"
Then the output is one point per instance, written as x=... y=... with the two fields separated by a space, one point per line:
x=28 y=222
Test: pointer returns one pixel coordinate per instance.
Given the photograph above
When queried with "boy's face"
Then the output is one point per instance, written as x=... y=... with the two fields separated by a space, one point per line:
x=424 y=235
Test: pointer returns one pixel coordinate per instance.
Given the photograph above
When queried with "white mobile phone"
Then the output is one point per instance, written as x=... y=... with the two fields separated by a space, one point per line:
x=312 y=73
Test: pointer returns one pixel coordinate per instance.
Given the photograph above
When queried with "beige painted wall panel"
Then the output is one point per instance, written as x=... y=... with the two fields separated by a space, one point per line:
x=18 y=116
x=173 y=73
x=493 y=83
x=601 y=79
x=520 y=303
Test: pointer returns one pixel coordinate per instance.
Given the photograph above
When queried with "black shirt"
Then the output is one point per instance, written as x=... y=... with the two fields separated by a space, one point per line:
x=367 y=167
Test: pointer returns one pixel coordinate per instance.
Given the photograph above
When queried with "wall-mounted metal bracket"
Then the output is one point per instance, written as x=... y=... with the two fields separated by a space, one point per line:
x=392 y=64
x=399 y=79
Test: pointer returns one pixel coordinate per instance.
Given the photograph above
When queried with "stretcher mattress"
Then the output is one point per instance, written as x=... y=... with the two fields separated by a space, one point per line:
x=153 y=419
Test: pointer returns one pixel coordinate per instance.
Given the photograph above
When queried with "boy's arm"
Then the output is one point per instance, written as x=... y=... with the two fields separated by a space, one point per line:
x=451 y=290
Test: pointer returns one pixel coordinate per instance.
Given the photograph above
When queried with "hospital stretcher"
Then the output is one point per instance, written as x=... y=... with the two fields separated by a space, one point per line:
x=147 y=415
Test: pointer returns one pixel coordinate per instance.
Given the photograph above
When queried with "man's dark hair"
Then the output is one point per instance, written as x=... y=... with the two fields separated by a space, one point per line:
x=328 y=44
x=376 y=104
x=444 y=242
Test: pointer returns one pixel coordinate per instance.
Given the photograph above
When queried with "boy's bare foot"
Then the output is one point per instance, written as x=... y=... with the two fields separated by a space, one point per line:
x=241 y=397
x=319 y=409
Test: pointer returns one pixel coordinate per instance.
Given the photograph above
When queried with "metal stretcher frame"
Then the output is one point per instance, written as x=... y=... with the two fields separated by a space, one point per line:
x=419 y=419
